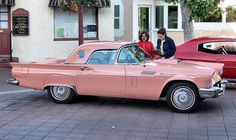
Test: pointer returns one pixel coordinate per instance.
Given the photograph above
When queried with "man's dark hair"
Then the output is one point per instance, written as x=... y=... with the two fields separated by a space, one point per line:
x=162 y=31
x=147 y=35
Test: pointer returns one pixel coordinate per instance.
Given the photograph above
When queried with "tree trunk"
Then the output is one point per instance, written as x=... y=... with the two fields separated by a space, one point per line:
x=187 y=22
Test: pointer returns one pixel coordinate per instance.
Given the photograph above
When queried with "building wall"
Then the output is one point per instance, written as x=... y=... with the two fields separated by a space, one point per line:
x=40 y=43
x=127 y=21
x=200 y=29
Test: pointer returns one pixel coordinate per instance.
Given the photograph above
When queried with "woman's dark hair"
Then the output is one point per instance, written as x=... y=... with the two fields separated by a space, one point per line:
x=147 y=35
x=162 y=31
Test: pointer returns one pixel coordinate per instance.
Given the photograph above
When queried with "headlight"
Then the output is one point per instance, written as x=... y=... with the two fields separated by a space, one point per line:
x=215 y=79
x=221 y=72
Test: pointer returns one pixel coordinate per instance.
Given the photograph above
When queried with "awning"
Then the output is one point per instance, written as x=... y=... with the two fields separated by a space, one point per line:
x=100 y=3
x=7 y=2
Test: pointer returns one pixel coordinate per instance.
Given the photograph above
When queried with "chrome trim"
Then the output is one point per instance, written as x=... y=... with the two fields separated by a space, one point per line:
x=213 y=92
x=231 y=80
x=12 y=81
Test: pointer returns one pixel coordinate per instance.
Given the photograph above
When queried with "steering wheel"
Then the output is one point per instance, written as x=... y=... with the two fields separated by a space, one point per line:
x=222 y=51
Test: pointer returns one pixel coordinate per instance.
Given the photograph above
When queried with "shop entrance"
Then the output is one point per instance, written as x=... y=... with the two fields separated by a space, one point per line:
x=4 y=30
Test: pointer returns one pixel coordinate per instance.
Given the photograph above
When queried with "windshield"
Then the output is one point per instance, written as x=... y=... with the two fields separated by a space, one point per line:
x=133 y=54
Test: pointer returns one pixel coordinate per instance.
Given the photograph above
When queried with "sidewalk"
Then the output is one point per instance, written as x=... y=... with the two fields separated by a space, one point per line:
x=5 y=73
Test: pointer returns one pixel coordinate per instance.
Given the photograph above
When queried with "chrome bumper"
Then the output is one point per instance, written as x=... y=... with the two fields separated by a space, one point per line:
x=213 y=92
x=13 y=82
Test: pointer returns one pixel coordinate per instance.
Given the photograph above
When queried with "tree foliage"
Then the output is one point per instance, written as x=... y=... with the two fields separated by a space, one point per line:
x=202 y=9
x=64 y=4
x=85 y=2
x=231 y=13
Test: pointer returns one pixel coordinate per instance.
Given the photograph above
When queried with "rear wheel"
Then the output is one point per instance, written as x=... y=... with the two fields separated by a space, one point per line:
x=61 y=94
x=182 y=97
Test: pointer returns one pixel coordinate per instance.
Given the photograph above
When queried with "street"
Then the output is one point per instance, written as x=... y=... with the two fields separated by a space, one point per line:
x=29 y=115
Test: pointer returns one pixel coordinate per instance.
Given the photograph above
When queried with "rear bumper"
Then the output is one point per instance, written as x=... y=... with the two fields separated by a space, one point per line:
x=213 y=92
x=13 y=82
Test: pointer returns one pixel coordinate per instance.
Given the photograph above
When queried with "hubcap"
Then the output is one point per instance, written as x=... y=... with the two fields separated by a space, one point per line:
x=60 y=92
x=183 y=98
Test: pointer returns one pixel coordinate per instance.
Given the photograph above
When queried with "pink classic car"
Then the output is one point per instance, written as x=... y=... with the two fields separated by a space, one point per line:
x=119 y=69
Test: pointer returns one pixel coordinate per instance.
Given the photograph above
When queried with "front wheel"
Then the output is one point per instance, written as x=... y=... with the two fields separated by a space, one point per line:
x=182 y=97
x=61 y=94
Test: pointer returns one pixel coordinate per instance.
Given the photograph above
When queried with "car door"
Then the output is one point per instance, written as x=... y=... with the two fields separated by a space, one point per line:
x=100 y=76
x=140 y=80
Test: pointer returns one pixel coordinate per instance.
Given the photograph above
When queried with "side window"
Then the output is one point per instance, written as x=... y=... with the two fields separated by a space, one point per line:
x=126 y=57
x=208 y=48
x=223 y=47
x=102 y=57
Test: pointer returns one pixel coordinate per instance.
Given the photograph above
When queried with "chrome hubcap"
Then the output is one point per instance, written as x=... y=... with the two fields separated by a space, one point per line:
x=60 y=92
x=183 y=98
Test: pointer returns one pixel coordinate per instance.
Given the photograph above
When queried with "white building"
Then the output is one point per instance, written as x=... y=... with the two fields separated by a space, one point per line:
x=51 y=31
x=134 y=16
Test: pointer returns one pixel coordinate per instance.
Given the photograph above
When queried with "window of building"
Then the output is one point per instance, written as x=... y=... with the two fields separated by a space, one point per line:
x=90 y=23
x=231 y=14
x=117 y=17
x=3 y=17
x=66 y=24
x=159 y=16
x=172 y=17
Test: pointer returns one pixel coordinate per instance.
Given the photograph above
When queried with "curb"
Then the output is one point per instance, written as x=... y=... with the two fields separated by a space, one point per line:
x=16 y=91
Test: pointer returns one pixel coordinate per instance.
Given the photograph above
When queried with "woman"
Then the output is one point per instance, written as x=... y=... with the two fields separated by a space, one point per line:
x=165 y=44
x=145 y=44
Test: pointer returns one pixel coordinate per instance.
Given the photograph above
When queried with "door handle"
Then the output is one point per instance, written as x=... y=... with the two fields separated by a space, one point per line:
x=84 y=68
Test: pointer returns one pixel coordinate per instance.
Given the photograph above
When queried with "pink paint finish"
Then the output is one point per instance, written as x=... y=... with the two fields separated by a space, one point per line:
x=148 y=79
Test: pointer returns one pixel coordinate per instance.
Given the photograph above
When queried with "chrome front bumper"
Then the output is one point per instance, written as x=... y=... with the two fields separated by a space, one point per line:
x=13 y=82
x=213 y=92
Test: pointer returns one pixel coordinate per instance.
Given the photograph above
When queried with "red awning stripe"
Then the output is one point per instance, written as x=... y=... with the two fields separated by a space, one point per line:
x=7 y=2
x=100 y=3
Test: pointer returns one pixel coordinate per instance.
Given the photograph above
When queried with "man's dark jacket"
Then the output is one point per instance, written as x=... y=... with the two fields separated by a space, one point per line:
x=169 y=47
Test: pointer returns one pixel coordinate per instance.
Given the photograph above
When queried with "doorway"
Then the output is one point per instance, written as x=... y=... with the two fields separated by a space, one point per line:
x=5 y=30
x=144 y=19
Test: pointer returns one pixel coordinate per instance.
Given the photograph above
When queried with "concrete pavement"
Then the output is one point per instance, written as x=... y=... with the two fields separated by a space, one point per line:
x=30 y=115
x=5 y=73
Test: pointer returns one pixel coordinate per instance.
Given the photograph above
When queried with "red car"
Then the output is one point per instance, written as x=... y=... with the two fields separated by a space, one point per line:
x=211 y=49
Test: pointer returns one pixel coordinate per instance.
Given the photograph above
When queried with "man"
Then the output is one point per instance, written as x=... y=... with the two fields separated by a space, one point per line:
x=165 y=45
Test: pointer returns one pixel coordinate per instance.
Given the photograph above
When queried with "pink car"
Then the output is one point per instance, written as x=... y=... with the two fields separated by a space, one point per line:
x=119 y=69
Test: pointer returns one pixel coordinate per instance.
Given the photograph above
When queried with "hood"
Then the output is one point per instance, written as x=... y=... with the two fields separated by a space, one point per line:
x=191 y=67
